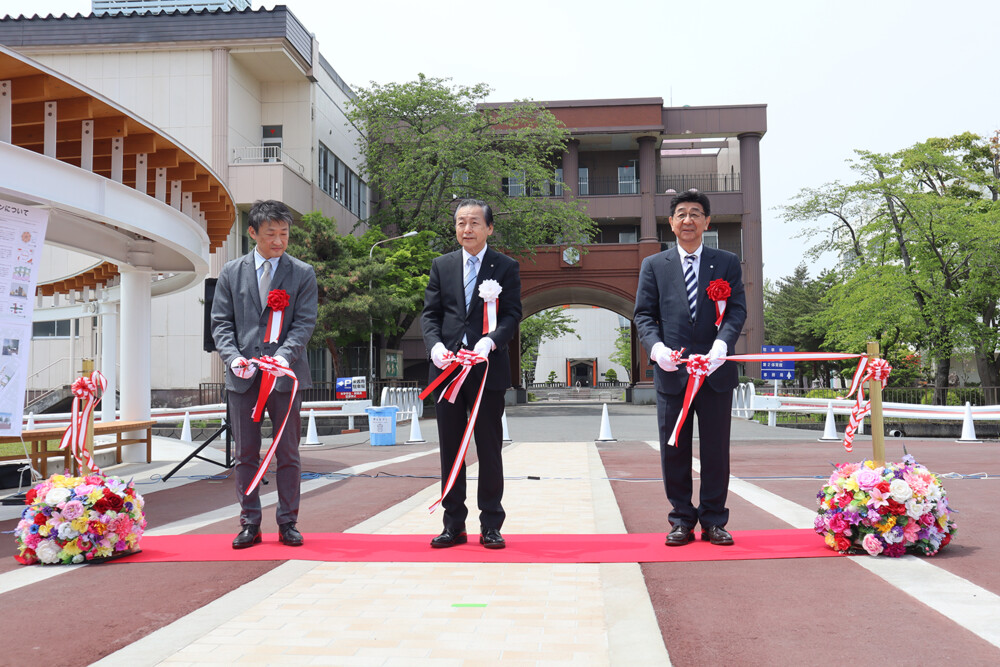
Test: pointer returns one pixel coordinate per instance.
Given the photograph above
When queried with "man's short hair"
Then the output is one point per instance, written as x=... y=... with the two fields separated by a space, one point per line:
x=487 y=211
x=692 y=196
x=269 y=209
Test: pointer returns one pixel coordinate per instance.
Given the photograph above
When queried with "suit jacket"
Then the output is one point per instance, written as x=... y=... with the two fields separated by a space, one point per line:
x=445 y=319
x=662 y=313
x=239 y=319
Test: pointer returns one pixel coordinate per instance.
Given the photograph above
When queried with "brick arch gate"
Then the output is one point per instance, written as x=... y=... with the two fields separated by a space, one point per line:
x=605 y=276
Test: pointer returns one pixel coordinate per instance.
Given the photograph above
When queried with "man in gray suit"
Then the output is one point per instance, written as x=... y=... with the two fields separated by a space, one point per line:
x=240 y=322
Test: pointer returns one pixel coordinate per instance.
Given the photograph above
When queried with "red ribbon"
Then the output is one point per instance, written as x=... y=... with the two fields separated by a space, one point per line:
x=271 y=370
x=465 y=360
x=698 y=369
x=84 y=389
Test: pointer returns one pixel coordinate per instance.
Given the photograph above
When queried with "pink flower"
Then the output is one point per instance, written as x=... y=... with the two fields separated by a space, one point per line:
x=868 y=478
x=838 y=524
x=910 y=531
x=72 y=510
x=917 y=482
x=877 y=498
x=872 y=544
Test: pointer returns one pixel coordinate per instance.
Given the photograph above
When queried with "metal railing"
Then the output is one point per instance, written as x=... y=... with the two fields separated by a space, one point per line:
x=703 y=182
x=265 y=154
x=911 y=395
x=215 y=392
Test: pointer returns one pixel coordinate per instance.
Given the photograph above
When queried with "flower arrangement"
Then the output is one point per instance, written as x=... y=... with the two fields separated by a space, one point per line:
x=888 y=510
x=79 y=519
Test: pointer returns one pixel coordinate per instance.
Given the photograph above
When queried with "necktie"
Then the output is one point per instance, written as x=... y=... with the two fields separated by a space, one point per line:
x=691 y=282
x=265 y=283
x=470 y=280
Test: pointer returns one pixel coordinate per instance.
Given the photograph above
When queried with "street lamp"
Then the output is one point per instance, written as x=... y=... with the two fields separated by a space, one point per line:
x=371 y=330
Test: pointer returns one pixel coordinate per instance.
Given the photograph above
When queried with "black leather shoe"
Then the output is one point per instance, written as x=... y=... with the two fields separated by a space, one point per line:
x=249 y=536
x=492 y=539
x=449 y=538
x=679 y=536
x=289 y=535
x=717 y=535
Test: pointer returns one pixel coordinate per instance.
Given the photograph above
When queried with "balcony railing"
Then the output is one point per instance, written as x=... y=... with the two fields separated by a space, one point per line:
x=263 y=155
x=703 y=182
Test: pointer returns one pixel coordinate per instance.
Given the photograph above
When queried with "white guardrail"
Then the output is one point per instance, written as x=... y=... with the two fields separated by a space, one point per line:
x=405 y=398
x=746 y=401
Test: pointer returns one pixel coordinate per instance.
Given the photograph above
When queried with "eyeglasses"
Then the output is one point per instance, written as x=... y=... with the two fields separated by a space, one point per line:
x=694 y=216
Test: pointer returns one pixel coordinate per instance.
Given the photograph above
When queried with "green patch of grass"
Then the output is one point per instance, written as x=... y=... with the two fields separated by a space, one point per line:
x=17 y=449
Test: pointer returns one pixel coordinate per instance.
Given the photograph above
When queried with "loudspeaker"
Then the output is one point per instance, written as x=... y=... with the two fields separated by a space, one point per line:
x=209 y=343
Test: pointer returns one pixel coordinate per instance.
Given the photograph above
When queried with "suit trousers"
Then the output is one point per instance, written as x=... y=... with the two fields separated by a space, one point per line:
x=451 y=422
x=246 y=432
x=714 y=414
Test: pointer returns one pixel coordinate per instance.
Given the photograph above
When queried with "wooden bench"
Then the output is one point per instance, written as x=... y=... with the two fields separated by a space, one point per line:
x=39 y=438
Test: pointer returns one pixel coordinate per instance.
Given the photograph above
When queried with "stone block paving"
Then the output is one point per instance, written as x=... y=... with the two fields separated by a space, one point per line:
x=450 y=614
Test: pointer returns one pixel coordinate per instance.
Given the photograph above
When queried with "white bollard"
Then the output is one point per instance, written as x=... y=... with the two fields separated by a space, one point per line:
x=830 y=428
x=186 y=428
x=416 y=438
x=506 y=433
x=31 y=421
x=968 y=428
x=605 y=427
x=312 y=437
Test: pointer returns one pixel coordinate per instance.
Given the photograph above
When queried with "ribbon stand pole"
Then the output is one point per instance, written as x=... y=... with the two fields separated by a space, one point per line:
x=878 y=426
x=89 y=444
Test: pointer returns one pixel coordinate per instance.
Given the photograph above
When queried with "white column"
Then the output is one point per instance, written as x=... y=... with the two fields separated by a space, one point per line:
x=135 y=346
x=109 y=359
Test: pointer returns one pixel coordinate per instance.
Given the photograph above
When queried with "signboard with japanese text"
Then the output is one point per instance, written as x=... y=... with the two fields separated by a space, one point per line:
x=352 y=388
x=392 y=364
x=777 y=370
x=22 y=234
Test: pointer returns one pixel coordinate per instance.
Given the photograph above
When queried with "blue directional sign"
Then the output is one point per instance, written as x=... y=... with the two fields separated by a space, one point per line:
x=777 y=370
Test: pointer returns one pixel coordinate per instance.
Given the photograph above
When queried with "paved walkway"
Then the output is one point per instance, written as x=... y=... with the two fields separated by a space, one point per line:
x=441 y=614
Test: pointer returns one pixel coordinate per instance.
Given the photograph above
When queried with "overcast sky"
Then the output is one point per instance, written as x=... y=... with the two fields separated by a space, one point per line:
x=871 y=74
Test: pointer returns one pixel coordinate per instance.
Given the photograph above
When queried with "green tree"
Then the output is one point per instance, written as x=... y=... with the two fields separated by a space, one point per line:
x=427 y=142
x=919 y=242
x=348 y=309
x=544 y=325
x=623 y=351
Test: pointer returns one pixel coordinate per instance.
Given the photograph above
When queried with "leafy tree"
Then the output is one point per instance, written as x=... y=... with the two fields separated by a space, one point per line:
x=348 y=308
x=623 y=352
x=611 y=375
x=552 y=377
x=427 y=142
x=919 y=242
x=544 y=325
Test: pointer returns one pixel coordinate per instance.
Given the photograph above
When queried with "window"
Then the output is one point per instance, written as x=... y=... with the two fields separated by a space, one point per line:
x=628 y=237
x=557 y=190
x=584 y=182
x=336 y=179
x=628 y=181
x=513 y=185
x=57 y=329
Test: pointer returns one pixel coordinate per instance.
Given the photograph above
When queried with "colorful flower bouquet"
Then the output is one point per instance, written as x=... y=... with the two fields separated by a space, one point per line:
x=79 y=519
x=888 y=510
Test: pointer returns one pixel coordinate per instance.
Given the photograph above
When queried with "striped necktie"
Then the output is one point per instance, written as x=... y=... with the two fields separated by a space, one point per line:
x=470 y=280
x=691 y=282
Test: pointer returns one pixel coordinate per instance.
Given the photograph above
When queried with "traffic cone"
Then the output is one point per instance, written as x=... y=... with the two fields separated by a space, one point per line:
x=968 y=428
x=186 y=428
x=312 y=438
x=416 y=438
x=506 y=433
x=605 y=427
x=830 y=428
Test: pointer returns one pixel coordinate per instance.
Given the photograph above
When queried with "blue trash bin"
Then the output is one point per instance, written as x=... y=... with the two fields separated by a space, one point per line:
x=382 y=425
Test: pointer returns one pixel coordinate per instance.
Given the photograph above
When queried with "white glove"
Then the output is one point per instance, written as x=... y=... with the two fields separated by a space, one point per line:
x=439 y=354
x=717 y=355
x=662 y=357
x=484 y=346
x=281 y=361
x=242 y=368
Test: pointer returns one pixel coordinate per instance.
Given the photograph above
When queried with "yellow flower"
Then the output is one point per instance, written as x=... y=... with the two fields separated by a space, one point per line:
x=102 y=552
x=830 y=541
x=942 y=521
x=95 y=495
x=887 y=525
x=72 y=548
x=44 y=530
x=80 y=524
x=851 y=483
x=870 y=464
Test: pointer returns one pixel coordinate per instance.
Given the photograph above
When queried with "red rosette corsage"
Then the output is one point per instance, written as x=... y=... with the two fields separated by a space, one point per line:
x=719 y=290
x=277 y=299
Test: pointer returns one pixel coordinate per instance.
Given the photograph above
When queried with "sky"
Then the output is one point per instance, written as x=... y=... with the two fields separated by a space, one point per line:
x=877 y=75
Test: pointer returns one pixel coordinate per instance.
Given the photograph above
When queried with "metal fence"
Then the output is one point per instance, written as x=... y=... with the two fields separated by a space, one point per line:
x=703 y=182
x=215 y=392
x=912 y=395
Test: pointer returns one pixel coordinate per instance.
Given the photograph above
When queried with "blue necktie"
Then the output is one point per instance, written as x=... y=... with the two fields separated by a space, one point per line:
x=691 y=281
x=470 y=281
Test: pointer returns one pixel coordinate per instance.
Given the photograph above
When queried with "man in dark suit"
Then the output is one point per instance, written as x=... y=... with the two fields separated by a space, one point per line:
x=453 y=319
x=240 y=316
x=673 y=311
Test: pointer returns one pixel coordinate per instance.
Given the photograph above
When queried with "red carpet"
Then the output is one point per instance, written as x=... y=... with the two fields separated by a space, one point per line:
x=357 y=547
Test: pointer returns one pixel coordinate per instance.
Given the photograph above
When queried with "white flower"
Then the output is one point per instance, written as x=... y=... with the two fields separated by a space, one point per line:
x=915 y=509
x=489 y=290
x=57 y=495
x=900 y=490
x=933 y=492
x=48 y=551
x=66 y=531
